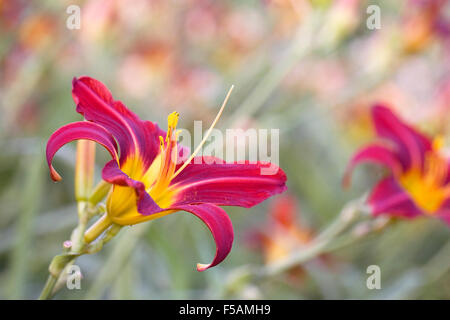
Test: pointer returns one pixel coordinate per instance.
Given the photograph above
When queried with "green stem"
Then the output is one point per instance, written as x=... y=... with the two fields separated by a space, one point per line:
x=46 y=293
x=100 y=191
x=23 y=240
x=117 y=259
x=59 y=262
x=347 y=216
x=80 y=238
x=326 y=241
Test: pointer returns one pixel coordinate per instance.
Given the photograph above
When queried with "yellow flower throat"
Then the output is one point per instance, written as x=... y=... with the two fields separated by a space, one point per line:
x=427 y=186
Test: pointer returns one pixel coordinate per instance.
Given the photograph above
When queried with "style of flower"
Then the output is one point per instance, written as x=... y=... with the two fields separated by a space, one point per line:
x=418 y=182
x=149 y=180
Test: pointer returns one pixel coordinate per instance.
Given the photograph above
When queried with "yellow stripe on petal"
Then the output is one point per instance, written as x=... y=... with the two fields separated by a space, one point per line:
x=438 y=143
x=120 y=201
x=152 y=173
x=123 y=199
x=134 y=217
x=121 y=204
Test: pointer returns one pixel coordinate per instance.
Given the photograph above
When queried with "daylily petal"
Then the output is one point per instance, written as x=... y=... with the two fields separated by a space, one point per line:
x=410 y=144
x=210 y=180
x=388 y=197
x=145 y=204
x=75 y=131
x=218 y=222
x=95 y=102
x=376 y=154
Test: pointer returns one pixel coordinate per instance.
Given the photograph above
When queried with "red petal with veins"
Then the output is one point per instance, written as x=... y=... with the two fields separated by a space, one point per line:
x=389 y=198
x=226 y=184
x=410 y=144
x=376 y=154
x=95 y=102
x=76 y=131
x=218 y=222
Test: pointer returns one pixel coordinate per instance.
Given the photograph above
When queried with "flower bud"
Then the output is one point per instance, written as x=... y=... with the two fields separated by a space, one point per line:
x=84 y=169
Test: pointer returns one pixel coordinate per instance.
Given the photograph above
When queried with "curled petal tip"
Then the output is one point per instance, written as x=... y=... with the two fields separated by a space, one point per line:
x=202 y=267
x=219 y=225
x=54 y=175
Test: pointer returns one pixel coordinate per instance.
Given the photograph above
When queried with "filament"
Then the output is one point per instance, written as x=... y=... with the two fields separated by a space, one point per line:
x=208 y=133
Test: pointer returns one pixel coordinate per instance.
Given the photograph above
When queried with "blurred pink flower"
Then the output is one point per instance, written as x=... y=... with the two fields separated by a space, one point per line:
x=418 y=182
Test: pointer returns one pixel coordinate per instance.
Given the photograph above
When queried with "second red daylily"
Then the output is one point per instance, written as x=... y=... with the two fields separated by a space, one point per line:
x=148 y=182
x=418 y=182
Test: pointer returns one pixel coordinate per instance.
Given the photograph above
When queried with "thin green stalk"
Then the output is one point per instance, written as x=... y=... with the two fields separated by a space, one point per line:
x=348 y=216
x=438 y=265
x=24 y=232
x=123 y=288
x=76 y=249
x=48 y=288
x=321 y=244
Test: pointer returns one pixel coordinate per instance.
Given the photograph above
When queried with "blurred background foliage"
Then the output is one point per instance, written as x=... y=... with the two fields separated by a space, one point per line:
x=309 y=67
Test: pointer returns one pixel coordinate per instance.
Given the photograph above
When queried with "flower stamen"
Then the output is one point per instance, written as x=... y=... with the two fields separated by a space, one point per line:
x=168 y=152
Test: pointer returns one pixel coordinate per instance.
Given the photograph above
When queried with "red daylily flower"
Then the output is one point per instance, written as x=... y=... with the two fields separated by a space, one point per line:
x=418 y=182
x=146 y=178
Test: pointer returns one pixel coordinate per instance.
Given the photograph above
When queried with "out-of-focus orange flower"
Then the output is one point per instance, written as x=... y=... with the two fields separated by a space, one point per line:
x=288 y=14
x=422 y=23
x=356 y=120
x=98 y=17
x=196 y=86
x=282 y=234
x=37 y=31
x=146 y=66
